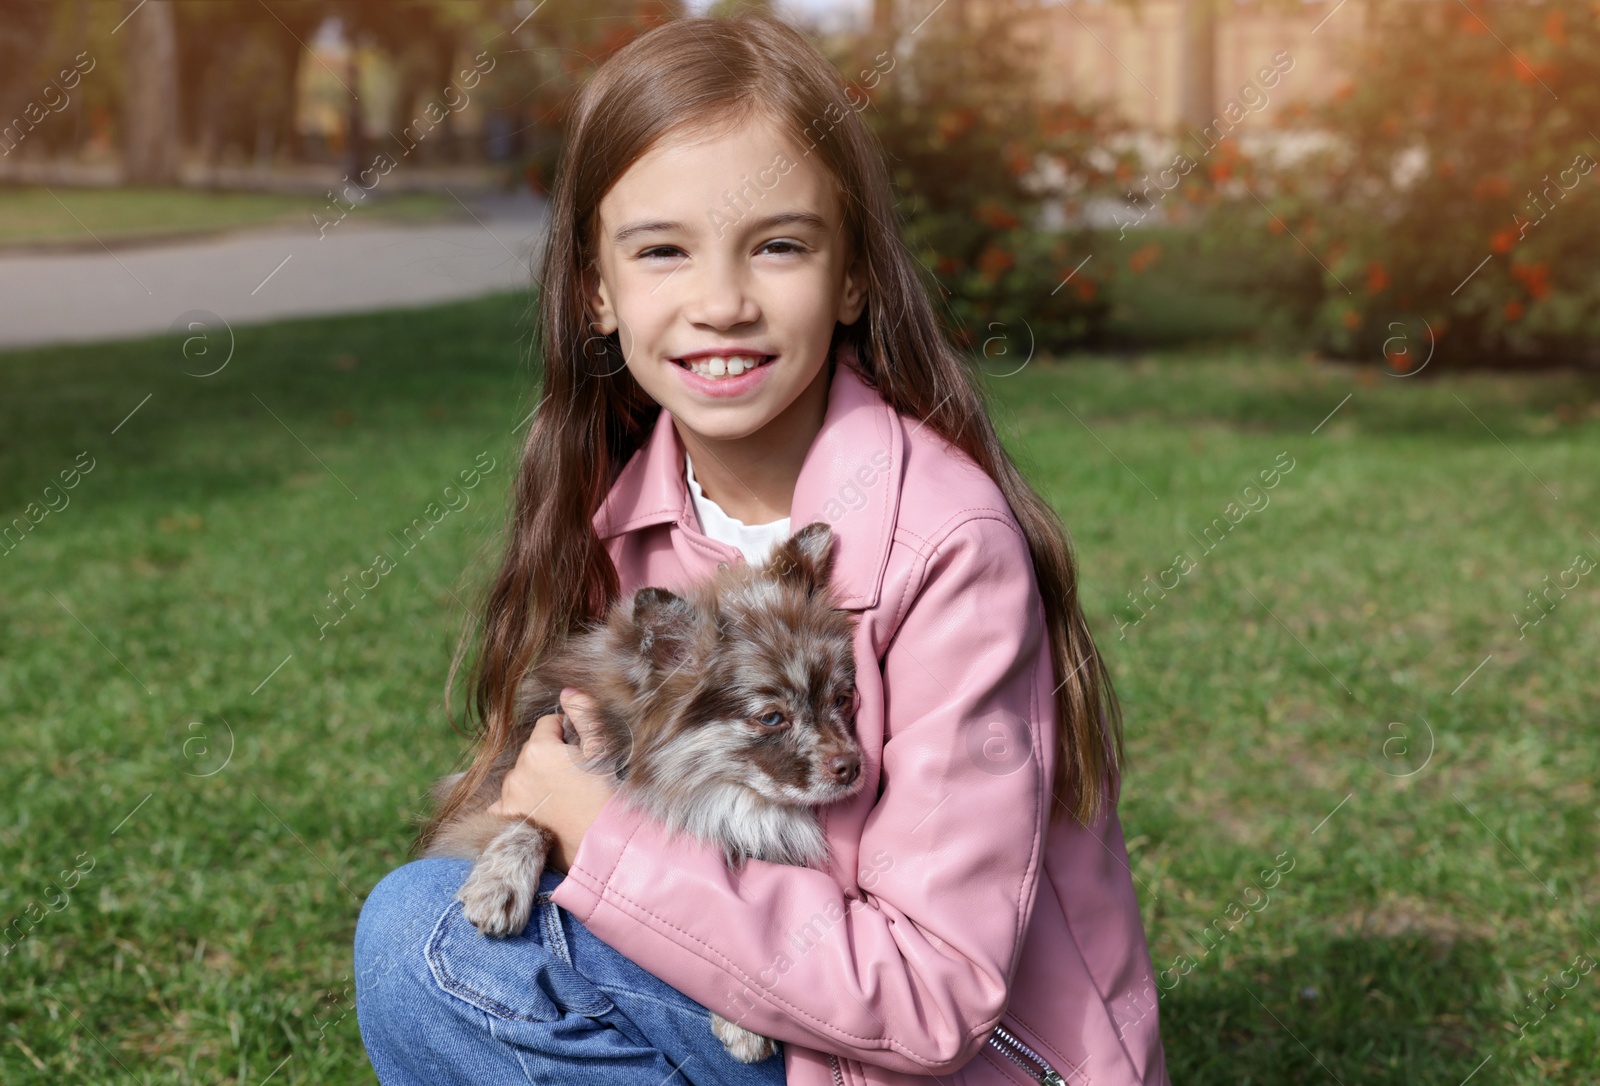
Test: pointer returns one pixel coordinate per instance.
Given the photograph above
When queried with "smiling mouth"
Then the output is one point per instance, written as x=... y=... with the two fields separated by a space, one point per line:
x=714 y=366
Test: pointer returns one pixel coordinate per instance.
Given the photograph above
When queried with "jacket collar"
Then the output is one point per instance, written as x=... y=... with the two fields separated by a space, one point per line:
x=850 y=478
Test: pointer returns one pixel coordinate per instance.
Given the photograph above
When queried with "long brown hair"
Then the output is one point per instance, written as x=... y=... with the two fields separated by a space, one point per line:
x=555 y=574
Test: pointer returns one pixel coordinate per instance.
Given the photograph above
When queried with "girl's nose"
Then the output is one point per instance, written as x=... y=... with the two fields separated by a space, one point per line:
x=721 y=299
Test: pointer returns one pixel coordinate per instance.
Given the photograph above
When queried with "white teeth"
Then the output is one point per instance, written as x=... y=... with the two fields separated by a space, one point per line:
x=723 y=365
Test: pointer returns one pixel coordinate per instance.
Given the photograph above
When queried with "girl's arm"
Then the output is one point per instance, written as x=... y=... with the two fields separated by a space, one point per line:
x=910 y=971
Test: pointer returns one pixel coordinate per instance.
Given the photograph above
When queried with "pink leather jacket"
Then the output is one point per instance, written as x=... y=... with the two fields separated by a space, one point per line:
x=954 y=934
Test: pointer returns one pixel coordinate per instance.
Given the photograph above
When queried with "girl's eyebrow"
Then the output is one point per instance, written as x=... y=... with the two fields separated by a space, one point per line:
x=791 y=218
x=780 y=218
x=646 y=227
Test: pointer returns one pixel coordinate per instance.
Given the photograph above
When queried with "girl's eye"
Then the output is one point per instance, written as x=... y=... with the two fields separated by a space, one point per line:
x=772 y=719
x=787 y=247
x=660 y=252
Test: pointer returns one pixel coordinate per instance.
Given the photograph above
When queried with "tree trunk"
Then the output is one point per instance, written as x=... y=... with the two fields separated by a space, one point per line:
x=355 y=142
x=80 y=45
x=150 y=58
x=1198 y=70
x=883 y=17
x=286 y=133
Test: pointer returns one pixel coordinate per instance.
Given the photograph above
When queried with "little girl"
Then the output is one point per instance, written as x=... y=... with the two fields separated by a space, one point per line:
x=737 y=343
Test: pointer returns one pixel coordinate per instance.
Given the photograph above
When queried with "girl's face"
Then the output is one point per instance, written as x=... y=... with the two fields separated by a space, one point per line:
x=723 y=253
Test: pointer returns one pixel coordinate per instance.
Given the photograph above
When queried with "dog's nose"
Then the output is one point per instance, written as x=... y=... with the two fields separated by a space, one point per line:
x=844 y=767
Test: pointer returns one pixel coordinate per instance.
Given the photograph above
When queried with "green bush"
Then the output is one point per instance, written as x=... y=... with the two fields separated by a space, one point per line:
x=978 y=158
x=1457 y=198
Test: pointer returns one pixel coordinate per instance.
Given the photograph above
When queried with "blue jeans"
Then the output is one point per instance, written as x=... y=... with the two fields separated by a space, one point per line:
x=440 y=1003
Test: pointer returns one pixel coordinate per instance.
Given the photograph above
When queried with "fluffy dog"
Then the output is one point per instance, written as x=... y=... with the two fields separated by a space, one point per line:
x=726 y=713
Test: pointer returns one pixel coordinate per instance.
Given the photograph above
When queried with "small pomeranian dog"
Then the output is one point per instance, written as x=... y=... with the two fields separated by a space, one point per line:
x=726 y=713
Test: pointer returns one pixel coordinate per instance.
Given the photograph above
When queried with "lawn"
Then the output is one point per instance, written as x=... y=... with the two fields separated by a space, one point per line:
x=36 y=215
x=1361 y=802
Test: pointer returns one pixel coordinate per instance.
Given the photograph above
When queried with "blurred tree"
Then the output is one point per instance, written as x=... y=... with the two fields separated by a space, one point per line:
x=24 y=26
x=570 y=39
x=240 y=66
x=150 y=58
x=427 y=40
x=239 y=69
x=984 y=165
x=883 y=17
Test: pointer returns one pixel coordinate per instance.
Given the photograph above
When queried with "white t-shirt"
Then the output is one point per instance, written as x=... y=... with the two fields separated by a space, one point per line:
x=756 y=541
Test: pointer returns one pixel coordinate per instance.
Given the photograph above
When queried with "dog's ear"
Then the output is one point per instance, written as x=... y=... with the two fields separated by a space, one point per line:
x=665 y=623
x=805 y=559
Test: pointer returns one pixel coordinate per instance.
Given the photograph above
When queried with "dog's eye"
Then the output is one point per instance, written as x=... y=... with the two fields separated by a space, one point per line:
x=843 y=700
x=772 y=719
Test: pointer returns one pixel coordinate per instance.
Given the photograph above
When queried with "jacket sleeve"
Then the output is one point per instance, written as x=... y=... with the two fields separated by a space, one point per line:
x=908 y=969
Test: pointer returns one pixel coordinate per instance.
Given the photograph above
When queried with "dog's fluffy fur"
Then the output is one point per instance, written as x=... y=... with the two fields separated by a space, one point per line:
x=725 y=713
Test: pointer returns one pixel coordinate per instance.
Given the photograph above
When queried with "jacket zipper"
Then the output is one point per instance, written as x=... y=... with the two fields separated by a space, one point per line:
x=1011 y=1047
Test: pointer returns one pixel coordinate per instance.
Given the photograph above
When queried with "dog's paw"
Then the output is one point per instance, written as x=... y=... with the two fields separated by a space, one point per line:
x=496 y=906
x=742 y=1045
x=498 y=894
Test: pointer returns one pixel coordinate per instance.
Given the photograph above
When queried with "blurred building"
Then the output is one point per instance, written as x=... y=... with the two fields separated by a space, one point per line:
x=1134 y=55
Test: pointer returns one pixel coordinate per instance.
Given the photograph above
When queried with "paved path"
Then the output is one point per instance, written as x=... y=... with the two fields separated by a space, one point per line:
x=261 y=275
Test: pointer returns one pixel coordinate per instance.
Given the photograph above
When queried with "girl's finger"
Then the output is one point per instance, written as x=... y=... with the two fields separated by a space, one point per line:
x=577 y=703
x=579 y=708
x=546 y=729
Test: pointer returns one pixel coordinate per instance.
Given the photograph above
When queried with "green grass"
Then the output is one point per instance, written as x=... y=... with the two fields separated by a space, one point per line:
x=31 y=215
x=210 y=941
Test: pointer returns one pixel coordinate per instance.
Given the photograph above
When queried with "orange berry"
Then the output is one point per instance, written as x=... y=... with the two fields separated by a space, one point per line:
x=1143 y=257
x=994 y=260
x=1377 y=277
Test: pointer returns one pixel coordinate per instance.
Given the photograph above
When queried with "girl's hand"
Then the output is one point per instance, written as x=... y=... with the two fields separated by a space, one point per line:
x=548 y=783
